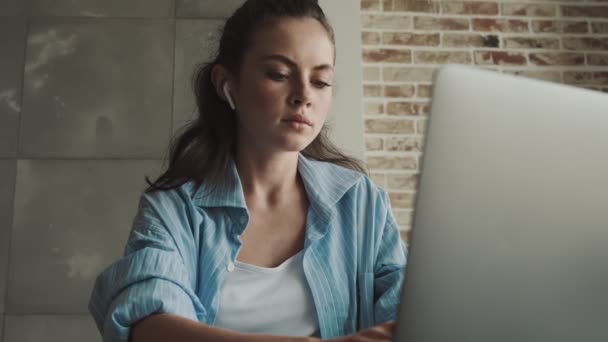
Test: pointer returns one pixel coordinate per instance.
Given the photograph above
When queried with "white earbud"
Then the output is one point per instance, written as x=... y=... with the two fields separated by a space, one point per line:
x=228 y=97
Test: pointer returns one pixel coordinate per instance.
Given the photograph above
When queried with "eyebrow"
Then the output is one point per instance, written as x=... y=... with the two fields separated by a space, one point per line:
x=293 y=64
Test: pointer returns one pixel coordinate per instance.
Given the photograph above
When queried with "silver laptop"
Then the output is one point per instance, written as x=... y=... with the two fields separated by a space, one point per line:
x=510 y=236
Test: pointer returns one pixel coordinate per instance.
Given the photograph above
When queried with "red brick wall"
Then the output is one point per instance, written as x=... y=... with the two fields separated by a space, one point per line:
x=404 y=41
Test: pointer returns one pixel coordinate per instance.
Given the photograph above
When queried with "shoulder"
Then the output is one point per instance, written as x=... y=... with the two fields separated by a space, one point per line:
x=368 y=201
x=366 y=192
x=160 y=207
x=327 y=168
x=348 y=189
x=181 y=195
x=327 y=178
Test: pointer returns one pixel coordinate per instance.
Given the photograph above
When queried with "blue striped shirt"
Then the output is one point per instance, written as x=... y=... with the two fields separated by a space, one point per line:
x=183 y=240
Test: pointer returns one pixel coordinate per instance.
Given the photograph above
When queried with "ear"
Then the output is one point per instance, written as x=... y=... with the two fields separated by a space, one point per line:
x=226 y=90
x=220 y=76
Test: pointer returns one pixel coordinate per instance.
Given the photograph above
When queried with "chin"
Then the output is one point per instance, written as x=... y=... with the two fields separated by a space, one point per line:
x=296 y=145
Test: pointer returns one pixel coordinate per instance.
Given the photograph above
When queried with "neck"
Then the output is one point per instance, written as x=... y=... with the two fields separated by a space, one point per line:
x=268 y=179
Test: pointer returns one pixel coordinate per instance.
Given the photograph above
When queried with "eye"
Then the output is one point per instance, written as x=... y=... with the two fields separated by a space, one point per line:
x=321 y=84
x=277 y=76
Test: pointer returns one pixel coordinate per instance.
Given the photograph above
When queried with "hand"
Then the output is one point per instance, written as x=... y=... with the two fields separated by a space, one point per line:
x=381 y=332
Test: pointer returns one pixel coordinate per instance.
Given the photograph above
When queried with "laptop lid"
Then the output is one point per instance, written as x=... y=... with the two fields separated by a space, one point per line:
x=510 y=235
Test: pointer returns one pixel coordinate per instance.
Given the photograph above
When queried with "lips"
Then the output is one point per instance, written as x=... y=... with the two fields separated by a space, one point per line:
x=299 y=118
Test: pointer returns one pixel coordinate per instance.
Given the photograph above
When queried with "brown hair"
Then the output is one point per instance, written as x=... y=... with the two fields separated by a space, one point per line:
x=204 y=147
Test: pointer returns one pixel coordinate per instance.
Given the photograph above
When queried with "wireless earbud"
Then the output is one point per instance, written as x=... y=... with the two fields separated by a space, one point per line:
x=228 y=97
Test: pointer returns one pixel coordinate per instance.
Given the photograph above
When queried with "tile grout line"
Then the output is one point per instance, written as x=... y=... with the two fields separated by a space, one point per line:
x=26 y=23
x=100 y=17
x=51 y=314
x=174 y=54
x=87 y=159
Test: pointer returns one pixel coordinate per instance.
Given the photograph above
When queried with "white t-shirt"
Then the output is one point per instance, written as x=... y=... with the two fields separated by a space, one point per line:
x=274 y=301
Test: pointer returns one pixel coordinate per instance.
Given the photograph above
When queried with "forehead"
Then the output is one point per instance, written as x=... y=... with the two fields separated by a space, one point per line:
x=303 y=40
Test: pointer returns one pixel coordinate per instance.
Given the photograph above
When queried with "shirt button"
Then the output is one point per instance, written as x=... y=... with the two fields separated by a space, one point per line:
x=230 y=267
x=243 y=219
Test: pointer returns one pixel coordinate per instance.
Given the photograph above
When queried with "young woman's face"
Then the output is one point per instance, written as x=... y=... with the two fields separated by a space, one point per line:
x=283 y=92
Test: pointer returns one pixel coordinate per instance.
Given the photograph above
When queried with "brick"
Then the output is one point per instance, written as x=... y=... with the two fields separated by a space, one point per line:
x=585 y=43
x=407 y=108
x=373 y=107
x=372 y=90
x=371 y=73
x=392 y=163
x=545 y=75
x=385 y=21
x=585 y=11
x=574 y=27
x=531 y=43
x=469 y=7
x=407 y=90
x=424 y=90
x=557 y=58
x=586 y=77
x=371 y=38
x=529 y=10
x=389 y=126
x=387 y=56
x=374 y=144
x=554 y=26
x=404 y=182
x=408 y=74
x=427 y=6
x=404 y=144
x=410 y=39
x=545 y=26
x=400 y=108
x=442 y=57
x=499 y=58
x=371 y=5
x=600 y=27
x=387 y=5
x=441 y=24
x=402 y=200
x=500 y=25
x=576 y=77
x=470 y=40
x=598 y=59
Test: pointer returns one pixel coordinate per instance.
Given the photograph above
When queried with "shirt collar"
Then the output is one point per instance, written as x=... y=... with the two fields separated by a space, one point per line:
x=325 y=184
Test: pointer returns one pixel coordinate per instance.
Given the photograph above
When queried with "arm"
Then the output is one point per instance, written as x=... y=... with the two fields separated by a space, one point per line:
x=163 y=327
x=156 y=274
x=389 y=268
x=151 y=278
x=173 y=328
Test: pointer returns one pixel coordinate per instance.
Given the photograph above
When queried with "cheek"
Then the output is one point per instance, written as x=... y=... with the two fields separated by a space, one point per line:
x=325 y=101
x=265 y=98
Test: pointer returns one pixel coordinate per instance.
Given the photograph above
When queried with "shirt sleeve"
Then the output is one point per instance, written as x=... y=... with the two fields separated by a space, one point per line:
x=151 y=277
x=389 y=268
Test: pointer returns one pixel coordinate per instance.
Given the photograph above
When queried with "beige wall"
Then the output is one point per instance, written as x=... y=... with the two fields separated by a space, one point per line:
x=346 y=113
x=405 y=41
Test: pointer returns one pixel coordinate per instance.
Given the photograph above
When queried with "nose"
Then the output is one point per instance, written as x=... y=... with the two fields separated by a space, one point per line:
x=301 y=95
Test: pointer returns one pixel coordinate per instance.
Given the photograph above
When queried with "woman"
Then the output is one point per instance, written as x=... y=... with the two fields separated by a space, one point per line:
x=260 y=229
